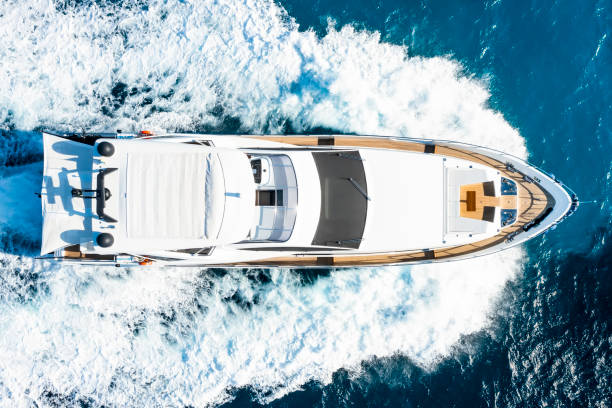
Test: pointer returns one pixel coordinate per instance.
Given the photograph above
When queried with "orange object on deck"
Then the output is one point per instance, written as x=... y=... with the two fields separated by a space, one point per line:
x=145 y=262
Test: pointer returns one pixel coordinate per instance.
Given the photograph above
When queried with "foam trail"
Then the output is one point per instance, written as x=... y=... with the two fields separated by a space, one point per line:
x=180 y=337
x=182 y=64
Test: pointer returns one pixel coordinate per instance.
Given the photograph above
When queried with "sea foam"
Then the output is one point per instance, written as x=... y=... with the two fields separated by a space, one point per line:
x=188 y=336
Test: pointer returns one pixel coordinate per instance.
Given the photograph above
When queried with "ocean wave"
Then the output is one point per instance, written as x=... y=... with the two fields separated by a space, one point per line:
x=188 y=336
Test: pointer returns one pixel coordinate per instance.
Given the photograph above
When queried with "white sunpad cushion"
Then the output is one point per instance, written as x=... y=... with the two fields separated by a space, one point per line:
x=167 y=195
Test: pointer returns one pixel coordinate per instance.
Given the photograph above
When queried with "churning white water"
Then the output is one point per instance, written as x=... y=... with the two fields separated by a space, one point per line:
x=187 y=336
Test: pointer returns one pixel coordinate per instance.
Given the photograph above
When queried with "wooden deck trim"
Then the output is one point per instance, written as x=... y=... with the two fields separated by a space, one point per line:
x=531 y=201
x=472 y=200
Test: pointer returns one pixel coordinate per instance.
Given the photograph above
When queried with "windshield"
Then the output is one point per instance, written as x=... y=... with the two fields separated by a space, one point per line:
x=276 y=197
x=344 y=199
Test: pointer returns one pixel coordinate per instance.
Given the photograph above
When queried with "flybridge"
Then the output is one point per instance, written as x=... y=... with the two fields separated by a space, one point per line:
x=286 y=200
x=148 y=195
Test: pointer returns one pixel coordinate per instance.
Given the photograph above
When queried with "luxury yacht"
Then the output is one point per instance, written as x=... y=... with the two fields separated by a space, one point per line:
x=286 y=201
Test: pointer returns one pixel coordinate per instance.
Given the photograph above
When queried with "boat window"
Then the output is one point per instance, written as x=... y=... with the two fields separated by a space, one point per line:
x=196 y=251
x=269 y=197
x=344 y=199
x=200 y=142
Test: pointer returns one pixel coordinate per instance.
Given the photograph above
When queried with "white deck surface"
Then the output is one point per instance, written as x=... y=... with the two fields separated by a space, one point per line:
x=166 y=195
x=406 y=210
x=65 y=220
x=415 y=201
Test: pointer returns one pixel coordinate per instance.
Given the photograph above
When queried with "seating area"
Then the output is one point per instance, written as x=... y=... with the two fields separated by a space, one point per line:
x=478 y=201
x=508 y=217
x=508 y=187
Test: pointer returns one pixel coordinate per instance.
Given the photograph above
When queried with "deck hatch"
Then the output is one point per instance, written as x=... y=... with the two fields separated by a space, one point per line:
x=488 y=213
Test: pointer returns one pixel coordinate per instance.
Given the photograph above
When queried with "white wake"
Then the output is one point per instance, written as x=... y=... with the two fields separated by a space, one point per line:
x=172 y=337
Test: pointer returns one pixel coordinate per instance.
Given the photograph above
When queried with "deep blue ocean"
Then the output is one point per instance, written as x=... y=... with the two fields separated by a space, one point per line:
x=549 y=66
x=73 y=337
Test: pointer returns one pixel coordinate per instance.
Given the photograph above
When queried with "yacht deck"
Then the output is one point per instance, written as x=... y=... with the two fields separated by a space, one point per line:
x=531 y=201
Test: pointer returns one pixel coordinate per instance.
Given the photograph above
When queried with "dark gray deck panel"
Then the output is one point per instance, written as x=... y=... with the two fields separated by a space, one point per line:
x=343 y=206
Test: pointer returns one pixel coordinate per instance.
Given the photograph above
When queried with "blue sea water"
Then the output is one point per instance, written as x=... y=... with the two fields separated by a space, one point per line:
x=547 y=339
x=548 y=67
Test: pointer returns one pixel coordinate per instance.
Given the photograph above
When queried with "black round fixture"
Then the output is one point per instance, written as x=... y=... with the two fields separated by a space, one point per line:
x=105 y=240
x=106 y=149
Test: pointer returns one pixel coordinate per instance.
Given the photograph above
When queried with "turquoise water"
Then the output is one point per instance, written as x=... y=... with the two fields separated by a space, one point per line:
x=520 y=329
